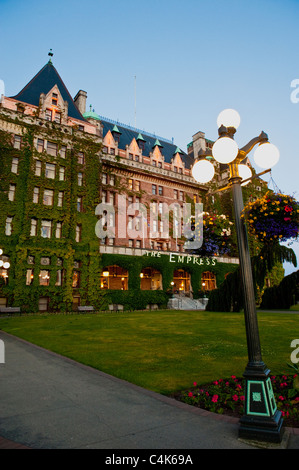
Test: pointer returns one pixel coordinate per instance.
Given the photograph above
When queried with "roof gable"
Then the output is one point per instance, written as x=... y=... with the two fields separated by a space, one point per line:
x=43 y=82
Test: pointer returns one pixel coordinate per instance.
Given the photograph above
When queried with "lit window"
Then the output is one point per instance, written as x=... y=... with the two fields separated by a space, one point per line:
x=35 y=194
x=130 y=183
x=48 y=197
x=137 y=185
x=46 y=228
x=80 y=179
x=11 y=193
x=50 y=171
x=44 y=277
x=14 y=165
x=76 y=279
x=59 y=277
x=29 y=277
x=8 y=226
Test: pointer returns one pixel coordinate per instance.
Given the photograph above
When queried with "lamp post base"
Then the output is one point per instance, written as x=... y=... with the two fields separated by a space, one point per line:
x=262 y=420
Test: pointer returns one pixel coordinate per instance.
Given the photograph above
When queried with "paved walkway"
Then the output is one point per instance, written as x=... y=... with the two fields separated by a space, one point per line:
x=50 y=402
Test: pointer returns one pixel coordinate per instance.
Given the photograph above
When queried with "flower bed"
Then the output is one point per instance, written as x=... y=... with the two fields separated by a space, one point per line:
x=273 y=217
x=226 y=396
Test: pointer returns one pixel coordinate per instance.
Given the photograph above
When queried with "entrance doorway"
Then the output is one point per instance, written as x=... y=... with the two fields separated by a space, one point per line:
x=181 y=281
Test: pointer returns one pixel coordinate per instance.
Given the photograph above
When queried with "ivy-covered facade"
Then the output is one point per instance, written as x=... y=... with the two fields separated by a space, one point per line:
x=58 y=162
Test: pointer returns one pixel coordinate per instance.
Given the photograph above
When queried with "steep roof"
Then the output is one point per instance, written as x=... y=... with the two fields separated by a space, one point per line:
x=43 y=82
x=127 y=134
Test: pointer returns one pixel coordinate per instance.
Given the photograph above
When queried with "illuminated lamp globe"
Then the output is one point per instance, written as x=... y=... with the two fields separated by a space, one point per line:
x=245 y=173
x=266 y=155
x=1 y=251
x=203 y=171
x=225 y=150
x=229 y=118
x=6 y=265
x=1 y=263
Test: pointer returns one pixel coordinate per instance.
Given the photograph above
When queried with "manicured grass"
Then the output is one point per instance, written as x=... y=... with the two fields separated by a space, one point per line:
x=164 y=351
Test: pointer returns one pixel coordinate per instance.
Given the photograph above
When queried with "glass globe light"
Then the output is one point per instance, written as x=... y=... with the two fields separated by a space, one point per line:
x=6 y=265
x=266 y=155
x=1 y=263
x=229 y=118
x=203 y=171
x=1 y=251
x=245 y=172
x=225 y=150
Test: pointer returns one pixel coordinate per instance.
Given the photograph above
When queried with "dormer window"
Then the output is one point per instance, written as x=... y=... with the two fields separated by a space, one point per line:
x=57 y=118
x=54 y=99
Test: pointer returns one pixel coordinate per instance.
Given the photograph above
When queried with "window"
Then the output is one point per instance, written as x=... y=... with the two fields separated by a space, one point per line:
x=138 y=243
x=46 y=228
x=175 y=193
x=62 y=173
x=63 y=151
x=154 y=189
x=48 y=197
x=80 y=179
x=160 y=191
x=112 y=151
x=79 y=204
x=154 y=163
x=57 y=117
x=50 y=171
x=105 y=149
x=58 y=230
x=52 y=148
x=112 y=180
x=29 y=277
x=44 y=277
x=60 y=199
x=130 y=156
x=81 y=128
x=30 y=259
x=35 y=194
x=11 y=192
x=111 y=198
x=45 y=261
x=59 y=277
x=40 y=146
x=14 y=165
x=104 y=196
x=17 y=142
x=48 y=115
x=33 y=228
x=54 y=99
x=78 y=233
x=136 y=158
x=159 y=164
x=8 y=226
x=38 y=168
x=81 y=158
x=104 y=178
x=181 y=196
x=131 y=243
x=130 y=183
x=76 y=279
x=137 y=185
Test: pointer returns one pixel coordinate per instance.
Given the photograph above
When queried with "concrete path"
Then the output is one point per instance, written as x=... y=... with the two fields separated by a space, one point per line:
x=50 y=402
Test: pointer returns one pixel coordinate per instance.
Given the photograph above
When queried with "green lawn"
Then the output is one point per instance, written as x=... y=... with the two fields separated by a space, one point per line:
x=164 y=351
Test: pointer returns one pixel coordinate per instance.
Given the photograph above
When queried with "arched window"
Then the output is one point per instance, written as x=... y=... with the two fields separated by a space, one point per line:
x=114 y=277
x=181 y=281
x=208 y=281
x=150 y=279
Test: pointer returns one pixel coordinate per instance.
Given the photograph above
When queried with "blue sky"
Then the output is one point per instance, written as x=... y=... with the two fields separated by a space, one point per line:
x=191 y=59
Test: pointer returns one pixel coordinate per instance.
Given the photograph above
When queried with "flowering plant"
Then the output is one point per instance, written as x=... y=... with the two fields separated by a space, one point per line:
x=226 y=396
x=273 y=217
x=216 y=234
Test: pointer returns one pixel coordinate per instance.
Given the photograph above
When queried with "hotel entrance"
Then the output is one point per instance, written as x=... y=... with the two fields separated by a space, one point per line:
x=181 y=281
x=150 y=279
x=115 y=278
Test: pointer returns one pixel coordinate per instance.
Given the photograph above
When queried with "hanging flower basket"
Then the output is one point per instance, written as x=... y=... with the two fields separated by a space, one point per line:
x=273 y=217
x=216 y=235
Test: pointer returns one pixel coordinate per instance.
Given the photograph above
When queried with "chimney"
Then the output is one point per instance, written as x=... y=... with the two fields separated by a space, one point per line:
x=80 y=101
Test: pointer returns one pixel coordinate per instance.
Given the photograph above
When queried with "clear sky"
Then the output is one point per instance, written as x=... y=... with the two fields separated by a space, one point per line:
x=191 y=59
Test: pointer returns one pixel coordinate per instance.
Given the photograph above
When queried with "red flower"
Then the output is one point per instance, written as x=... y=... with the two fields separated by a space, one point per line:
x=190 y=394
x=215 y=398
x=235 y=397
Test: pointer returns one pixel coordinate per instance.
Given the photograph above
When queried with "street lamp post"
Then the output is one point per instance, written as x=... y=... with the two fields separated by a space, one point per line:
x=261 y=420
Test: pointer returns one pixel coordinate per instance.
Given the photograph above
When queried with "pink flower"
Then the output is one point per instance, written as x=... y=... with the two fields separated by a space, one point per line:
x=239 y=386
x=194 y=383
x=233 y=376
x=281 y=398
x=215 y=383
x=235 y=397
x=190 y=394
x=215 y=398
x=242 y=398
